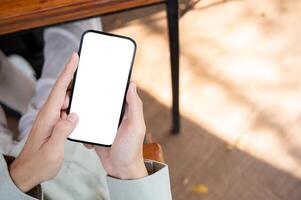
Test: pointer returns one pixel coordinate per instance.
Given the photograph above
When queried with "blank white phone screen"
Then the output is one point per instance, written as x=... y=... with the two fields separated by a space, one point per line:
x=100 y=85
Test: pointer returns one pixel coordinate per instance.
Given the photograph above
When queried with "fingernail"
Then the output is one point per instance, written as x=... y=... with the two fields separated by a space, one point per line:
x=72 y=117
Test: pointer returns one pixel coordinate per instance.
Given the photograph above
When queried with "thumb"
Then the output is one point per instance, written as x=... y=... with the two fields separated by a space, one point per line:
x=134 y=104
x=63 y=129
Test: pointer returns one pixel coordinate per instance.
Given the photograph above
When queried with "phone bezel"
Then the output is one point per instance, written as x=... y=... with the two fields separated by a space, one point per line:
x=127 y=85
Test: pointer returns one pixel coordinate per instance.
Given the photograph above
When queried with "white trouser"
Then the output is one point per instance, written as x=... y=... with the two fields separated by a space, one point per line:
x=82 y=176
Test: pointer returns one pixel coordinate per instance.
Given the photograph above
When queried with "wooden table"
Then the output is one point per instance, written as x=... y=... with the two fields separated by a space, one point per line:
x=21 y=15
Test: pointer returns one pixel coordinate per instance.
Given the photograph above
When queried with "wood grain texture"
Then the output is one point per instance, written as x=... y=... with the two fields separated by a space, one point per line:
x=17 y=15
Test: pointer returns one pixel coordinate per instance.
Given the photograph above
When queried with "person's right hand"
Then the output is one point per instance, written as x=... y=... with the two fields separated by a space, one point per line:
x=43 y=153
x=124 y=159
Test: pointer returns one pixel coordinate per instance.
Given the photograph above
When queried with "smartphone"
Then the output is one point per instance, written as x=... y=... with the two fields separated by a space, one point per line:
x=100 y=85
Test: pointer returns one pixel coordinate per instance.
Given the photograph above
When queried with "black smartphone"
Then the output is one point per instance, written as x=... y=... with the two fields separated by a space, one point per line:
x=100 y=85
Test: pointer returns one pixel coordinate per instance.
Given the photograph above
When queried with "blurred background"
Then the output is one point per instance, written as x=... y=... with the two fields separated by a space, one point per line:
x=240 y=95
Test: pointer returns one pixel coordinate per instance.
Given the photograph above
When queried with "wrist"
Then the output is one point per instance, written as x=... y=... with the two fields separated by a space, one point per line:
x=21 y=176
x=133 y=171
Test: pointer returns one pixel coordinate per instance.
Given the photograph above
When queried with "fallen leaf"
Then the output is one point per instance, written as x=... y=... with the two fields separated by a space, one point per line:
x=200 y=188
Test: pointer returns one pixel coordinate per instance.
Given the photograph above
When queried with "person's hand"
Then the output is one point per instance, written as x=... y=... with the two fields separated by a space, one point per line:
x=124 y=159
x=43 y=153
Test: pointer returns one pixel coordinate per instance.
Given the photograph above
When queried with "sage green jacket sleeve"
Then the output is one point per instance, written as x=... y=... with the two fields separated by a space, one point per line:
x=156 y=186
x=8 y=190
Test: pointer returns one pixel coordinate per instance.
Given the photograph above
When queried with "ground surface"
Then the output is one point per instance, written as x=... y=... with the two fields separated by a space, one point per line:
x=240 y=96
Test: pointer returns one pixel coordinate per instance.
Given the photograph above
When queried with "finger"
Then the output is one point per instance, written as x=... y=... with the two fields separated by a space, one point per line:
x=134 y=104
x=66 y=102
x=70 y=86
x=58 y=93
x=63 y=129
x=102 y=152
x=63 y=115
x=89 y=146
x=125 y=115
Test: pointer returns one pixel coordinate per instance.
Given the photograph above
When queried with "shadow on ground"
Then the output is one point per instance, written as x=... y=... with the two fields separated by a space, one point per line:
x=195 y=156
x=234 y=48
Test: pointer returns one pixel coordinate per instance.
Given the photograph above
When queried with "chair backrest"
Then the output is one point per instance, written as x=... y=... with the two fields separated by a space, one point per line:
x=153 y=151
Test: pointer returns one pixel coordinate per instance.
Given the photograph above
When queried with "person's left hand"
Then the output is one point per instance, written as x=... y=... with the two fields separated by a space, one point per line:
x=124 y=159
x=43 y=153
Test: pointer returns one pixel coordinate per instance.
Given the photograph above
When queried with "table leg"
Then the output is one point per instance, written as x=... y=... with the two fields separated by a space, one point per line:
x=172 y=8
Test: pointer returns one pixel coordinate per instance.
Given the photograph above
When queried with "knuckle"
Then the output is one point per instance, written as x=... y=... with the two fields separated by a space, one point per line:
x=53 y=157
x=59 y=85
x=130 y=127
x=42 y=111
x=140 y=102
x=62 y=127
x=136 y=128
x=140 y=129
x=143 y=127
x=40 y=116
x=61 y=81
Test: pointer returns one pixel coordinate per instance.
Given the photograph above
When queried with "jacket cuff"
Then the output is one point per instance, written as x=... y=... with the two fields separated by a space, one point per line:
x=154 y=186
x=9 y=190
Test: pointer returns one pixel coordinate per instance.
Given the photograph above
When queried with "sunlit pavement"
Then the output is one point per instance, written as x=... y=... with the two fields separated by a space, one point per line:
x=240 y=81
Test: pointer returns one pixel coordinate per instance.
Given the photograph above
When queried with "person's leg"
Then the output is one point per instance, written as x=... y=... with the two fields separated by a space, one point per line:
x=81 y=176
x=16 y=87
x=16 y=90
x=6 y=137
